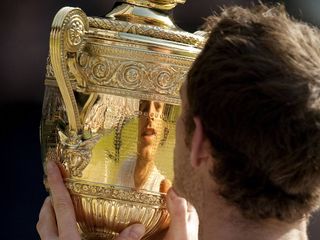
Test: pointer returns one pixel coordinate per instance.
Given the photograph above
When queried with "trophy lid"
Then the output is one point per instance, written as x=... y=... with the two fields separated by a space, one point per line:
x=146 y=18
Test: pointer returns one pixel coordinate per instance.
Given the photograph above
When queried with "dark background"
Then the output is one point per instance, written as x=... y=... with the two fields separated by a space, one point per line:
x=25 y=28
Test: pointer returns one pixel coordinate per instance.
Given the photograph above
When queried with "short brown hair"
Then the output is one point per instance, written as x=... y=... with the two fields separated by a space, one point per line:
x=256 y=88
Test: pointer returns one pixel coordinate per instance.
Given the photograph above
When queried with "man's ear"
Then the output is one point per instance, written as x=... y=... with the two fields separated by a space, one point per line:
x=199 y=148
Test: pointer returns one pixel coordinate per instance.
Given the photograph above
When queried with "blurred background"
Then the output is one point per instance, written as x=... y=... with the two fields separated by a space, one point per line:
x=25 y=27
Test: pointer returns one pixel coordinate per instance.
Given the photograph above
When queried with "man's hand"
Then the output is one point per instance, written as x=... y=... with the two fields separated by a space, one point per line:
x=184 y=223
x=57 y=219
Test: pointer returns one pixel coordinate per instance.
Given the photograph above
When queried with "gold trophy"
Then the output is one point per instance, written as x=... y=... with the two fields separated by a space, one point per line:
x=110 y=107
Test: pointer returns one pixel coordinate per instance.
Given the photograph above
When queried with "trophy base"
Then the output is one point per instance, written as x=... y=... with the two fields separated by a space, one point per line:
x=103 y=210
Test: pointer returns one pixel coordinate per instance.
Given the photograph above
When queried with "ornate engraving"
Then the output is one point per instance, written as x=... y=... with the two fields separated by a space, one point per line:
x=115 y=192
x=76 y=158
x=114 y=209
x=166 y=79
x=83 y=59
x=63 y=40
x=76 y=31
x=136 y=53
x=147 y=30
x=100 y=70
x=111 y=70
x=131 y=74
x=49 y=69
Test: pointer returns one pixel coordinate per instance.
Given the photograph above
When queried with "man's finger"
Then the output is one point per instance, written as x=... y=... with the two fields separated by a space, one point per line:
x=177 y=208
x=46 y=226
x=133 y=232
x=62 y=204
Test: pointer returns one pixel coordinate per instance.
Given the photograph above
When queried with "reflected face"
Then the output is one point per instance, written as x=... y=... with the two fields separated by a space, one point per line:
x=151 y=125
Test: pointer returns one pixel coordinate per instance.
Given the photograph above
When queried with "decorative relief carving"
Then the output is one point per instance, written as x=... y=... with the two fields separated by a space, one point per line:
x=76 y=158
x=100 y=70
x=134 y=75
x=49 y=69
x=83 y=59
x=115 y=192
x=131 y=74
x=106 y=69
x=147 y=30
x=165 y=80
x=68 y=29
x=134 y=53
x=76 y=31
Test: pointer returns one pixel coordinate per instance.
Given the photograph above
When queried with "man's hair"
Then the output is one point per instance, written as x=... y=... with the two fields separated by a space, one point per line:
x=256 y=88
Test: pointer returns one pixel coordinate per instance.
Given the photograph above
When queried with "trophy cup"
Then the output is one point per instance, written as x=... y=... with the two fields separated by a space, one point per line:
x=110 y=106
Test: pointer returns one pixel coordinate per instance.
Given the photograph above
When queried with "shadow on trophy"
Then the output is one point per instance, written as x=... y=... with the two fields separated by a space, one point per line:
x=110 y=108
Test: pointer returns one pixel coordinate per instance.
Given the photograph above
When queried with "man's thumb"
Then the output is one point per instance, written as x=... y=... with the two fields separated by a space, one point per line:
x=177 y=208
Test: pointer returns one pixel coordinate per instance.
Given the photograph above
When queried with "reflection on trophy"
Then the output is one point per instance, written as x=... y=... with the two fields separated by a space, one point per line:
x=109 y=111
x=140 y=171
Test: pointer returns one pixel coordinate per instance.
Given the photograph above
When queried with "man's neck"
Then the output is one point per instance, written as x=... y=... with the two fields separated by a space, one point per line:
x=222 y=222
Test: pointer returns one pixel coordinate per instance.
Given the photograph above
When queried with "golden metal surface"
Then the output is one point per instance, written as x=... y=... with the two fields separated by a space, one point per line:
x=105 y=210
x=156 y=4
x=146 y=30
x=109 y=112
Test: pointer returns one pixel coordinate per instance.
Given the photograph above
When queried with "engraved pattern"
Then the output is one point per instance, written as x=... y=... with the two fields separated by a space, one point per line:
x=115 y=192
x=147 y=30
x=49 y=69
x=131 y=75
x=110 y=69
x=76 y=31
x=165 y=79
x=61 y=31
x=135 y=53
x=75 y=160
x=99 y=70
x=101 y=64
x=103 y=211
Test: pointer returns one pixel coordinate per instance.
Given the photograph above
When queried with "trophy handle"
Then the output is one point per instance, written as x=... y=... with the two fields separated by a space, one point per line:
x=66 y=40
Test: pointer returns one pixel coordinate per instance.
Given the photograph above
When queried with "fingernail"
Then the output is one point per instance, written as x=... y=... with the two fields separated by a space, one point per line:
x=136 y=232
x=48 y=199
x=51 y=166
x=172 y=194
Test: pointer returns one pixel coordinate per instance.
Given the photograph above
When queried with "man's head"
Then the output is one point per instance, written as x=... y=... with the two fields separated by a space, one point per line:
x=256 y=90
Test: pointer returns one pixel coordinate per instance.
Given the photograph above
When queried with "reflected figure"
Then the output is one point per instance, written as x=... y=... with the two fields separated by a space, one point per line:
x=140 y=171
